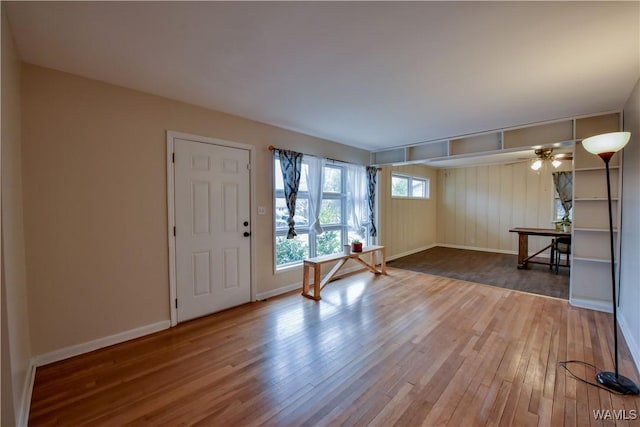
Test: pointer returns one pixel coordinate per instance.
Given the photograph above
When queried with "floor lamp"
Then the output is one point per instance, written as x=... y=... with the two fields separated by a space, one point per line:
x=605 y=146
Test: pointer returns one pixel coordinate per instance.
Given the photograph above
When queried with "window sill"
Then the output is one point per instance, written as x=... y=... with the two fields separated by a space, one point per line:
x=288 y=268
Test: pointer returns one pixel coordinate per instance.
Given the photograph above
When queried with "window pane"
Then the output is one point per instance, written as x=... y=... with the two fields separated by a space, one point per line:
x=302 y=211
x=291 y=250
x=399 y=186
x=303 y=177
x=358 y=235
x=332 y=180
x=282 y=213
x=331 y=211
x=417 y=188
x=278 y=176
x=329 y=242
x=560 y=211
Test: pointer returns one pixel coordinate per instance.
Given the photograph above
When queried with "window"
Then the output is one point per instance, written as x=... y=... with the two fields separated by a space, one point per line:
x=343 y=212
x=409 y=186
x=558 y=209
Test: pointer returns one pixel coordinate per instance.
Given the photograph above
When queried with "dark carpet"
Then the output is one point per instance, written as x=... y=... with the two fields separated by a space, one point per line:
x=488 y=268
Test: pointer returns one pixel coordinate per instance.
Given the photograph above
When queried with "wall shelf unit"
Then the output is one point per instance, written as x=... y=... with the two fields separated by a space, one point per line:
x=591 y=261
x=553 y=134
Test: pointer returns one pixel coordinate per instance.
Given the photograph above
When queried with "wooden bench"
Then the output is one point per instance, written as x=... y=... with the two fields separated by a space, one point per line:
x=342 y=258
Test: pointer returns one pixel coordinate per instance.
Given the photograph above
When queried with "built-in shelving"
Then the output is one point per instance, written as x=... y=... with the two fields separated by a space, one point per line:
x=591 y=260
x=553 y=134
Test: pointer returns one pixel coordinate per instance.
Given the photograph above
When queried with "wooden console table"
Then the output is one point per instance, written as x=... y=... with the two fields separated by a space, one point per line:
x=342 y=258
x=523 y=243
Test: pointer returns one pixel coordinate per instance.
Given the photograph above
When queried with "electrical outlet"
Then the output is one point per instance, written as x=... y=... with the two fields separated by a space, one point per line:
x=262 y=210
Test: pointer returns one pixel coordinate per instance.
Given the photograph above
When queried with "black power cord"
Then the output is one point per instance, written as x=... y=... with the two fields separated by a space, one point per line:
x=563 y=363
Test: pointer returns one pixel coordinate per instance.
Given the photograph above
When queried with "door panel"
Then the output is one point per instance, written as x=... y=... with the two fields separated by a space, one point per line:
x=212 y=195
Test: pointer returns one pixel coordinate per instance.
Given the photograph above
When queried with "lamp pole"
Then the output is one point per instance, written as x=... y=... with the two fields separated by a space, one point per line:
x=606 y=157
x=605 y=146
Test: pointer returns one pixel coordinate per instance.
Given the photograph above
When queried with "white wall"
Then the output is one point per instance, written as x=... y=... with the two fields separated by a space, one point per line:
x=15 y=333
x=629 y=315
x=406 y=225
x=478 y=205
x=95 y=197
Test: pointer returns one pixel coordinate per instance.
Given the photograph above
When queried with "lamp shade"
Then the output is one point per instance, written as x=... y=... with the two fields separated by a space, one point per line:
x=606 y=143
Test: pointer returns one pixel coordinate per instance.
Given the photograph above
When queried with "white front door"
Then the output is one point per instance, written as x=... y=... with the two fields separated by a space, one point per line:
x=212 y=207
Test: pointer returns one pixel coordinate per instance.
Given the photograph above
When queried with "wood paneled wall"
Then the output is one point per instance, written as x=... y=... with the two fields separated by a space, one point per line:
x=478 y=205
x=407 y=225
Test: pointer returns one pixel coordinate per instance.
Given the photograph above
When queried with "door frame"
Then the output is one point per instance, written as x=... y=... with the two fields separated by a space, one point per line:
x=173 y=282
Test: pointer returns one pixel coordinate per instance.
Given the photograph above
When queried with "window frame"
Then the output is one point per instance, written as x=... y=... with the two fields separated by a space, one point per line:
x=343 y=227
x=410 y=178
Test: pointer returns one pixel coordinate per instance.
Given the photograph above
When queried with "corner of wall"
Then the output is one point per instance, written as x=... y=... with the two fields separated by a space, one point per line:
x=15 y=317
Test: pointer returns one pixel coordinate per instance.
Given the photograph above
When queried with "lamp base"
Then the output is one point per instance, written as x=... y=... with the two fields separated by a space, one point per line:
x=618 y=383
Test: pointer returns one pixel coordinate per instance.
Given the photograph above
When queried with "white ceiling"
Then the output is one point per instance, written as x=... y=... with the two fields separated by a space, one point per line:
x=369 y=74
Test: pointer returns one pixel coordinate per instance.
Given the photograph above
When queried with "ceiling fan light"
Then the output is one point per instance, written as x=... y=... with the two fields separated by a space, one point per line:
x=606 y=143
x=556 y=163
x=536 y=165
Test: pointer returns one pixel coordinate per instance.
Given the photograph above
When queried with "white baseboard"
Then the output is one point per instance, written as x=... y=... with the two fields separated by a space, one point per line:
x=279 y=291
x=298 y=285
x=22 y=420
x=633 y=345
x=75 y=350
x=475 y=248
x=411 y=252
x=591 y=304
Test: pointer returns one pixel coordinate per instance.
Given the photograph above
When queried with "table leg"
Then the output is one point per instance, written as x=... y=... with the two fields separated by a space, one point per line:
x=383 y=261
x=523 y=250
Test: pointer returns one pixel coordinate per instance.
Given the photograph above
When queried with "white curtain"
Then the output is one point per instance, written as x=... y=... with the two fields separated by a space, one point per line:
x=357 y=199
x=315 y=178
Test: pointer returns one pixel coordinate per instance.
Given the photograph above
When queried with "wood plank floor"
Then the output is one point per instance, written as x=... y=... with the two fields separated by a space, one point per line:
x=408 y=349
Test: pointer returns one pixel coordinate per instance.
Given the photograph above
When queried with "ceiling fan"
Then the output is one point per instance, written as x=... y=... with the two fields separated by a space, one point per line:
x=546 y=155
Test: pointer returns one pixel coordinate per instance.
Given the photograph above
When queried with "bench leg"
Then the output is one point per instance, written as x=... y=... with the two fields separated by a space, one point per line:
x=316 y=282
x=305 y=280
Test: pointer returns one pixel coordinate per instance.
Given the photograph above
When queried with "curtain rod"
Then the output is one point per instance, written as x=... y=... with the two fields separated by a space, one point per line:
x=272 y=148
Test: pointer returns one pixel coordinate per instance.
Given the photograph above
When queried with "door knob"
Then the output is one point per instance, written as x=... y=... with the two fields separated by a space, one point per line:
x=247 y=234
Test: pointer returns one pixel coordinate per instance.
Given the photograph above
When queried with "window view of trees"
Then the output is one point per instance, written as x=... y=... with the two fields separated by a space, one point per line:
x=399 y=186
x=409 y=186
x=333 y=217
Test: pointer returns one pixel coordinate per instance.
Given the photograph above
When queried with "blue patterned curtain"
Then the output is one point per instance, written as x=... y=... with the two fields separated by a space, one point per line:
x=372 y=173
x=564 y=186
x=291 y=165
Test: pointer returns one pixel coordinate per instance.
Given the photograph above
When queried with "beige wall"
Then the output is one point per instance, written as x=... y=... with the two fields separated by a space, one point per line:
x=478 y=205
x=406 y=225
x=15 y=327
x=96 y=208
x=630 y=251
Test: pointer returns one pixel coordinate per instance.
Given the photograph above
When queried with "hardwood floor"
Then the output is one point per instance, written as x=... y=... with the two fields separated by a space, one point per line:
x=405 y=349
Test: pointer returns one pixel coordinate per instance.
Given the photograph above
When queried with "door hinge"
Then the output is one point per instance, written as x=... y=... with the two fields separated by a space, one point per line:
x=174 y=230
x=174 y=157
x=249 y=166
x=176 y=302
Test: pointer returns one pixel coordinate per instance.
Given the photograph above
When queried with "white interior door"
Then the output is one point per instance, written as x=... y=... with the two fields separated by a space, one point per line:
x=212 y=214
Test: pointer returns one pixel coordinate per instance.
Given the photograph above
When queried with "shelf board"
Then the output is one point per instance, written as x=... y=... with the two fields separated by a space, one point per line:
x=595 y=169
x=594 y=199
x=600 y=260
x=596 y=230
